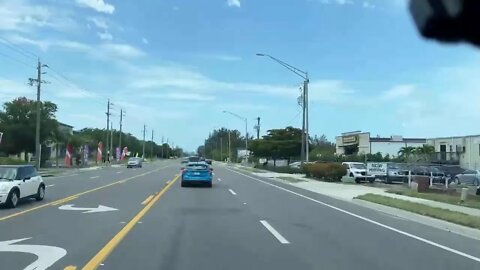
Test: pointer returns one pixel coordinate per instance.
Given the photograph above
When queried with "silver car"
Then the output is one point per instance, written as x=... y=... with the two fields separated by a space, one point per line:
x=134 y=162
x=470 y=177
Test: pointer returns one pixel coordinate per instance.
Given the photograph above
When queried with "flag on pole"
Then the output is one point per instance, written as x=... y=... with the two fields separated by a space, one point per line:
x=99 y=152
x=68 y=156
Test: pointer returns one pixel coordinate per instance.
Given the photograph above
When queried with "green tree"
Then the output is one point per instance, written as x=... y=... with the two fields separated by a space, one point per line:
x=278 y=143
x=425 y=152
x=406 y=152
x=18 y=122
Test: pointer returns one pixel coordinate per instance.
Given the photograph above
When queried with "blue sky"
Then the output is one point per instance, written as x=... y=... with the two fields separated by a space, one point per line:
x=175 y=65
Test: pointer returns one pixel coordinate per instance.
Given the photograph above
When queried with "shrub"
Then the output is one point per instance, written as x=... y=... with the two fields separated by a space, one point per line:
x=283 y=169
x=330 y=172
x=11 y=161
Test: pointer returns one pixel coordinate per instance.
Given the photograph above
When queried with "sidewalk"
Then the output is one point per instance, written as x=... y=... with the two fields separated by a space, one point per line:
x=51 y=172
x=348 y=192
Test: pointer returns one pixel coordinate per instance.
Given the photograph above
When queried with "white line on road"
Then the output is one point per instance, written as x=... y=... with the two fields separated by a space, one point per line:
x=231 y=191
x=275 y=233
x=93 y=177
x=120 y=172
x=50 y=185
x=463 y=254
x=219 y=180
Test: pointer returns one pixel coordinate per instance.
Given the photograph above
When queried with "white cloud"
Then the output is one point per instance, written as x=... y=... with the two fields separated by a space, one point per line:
x=10 y=89
x=73 y=93
x=122 y=50
x=105 y=35
x=181 y=96
x=398 y=91
x=339 y=2
x=23 y=16
x=367 y=4
x=221 y=57
x=97 y=5
x=233 y=3
x=145 y=41
x=99 y=22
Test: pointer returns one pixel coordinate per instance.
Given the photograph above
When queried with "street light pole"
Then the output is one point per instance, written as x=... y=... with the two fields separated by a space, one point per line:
x=305 y=137
x=246 y=130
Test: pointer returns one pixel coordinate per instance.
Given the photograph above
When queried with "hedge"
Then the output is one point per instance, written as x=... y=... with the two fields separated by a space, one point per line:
x=329 y=172
x=11 y=161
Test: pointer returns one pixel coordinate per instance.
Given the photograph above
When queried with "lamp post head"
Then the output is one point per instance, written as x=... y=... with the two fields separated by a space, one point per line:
x=260 y=54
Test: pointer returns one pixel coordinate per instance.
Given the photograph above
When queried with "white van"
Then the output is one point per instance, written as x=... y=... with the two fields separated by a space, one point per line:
x=358 y=171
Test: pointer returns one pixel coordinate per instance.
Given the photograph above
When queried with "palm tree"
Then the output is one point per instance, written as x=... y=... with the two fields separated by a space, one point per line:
x=425 y=151
x=406 y=151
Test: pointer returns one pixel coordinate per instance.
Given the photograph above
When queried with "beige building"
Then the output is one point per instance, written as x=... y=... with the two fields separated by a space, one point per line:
x=358 y=142
x=463 y=151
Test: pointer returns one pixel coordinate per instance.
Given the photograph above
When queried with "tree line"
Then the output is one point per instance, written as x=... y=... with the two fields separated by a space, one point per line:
x=18 y=122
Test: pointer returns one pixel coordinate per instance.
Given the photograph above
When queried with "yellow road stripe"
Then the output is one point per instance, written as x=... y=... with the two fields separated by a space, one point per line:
x=64 y=200
x=77 y=195
x=149 y=198
x=113 y=243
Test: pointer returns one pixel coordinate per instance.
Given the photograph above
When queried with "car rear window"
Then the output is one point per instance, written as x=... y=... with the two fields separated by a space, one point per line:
x=197 y=166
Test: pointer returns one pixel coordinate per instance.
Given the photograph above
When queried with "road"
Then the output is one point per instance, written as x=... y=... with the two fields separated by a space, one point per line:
x=118 y=218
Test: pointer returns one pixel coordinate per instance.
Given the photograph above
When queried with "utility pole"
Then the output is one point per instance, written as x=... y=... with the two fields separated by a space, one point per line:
x=122 y=114
x=229 y=151
x=162 y=145
x=111 y=141
x=168 y=147
x=258 y=128
x=143 y=148
x=302 y=151
x=221 y=148
x=38 y=81
x=151 y=147
x=307 y=138
x=109 y=106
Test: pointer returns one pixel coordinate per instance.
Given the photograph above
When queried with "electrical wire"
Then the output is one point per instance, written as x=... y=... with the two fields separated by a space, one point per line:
x=18 y=49
x=13 y=59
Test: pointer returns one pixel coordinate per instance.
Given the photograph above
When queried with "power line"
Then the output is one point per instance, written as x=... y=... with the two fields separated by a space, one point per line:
x=19 y=49
x=13 y=59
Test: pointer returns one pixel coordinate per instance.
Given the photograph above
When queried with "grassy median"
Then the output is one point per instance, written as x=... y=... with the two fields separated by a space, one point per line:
x=439 y=213
x=472 y=201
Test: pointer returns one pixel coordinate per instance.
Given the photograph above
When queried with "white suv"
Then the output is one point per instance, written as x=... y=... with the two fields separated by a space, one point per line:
x=19 y=182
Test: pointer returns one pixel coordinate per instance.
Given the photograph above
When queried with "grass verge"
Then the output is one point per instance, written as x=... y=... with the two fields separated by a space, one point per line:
x=439 y=213
x=454 y=199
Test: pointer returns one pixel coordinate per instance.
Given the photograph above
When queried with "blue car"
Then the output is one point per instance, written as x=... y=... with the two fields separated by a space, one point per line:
x=197 y=173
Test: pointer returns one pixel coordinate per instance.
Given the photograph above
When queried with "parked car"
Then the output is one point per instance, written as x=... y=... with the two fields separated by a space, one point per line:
x=20 y=182
x=296 y=165
x=208 y=161
x=439 y=176
x=358 y=171
x=470 y=177
x=184 y=160
x=134 y=162
x=396 y=173
x=197 y=173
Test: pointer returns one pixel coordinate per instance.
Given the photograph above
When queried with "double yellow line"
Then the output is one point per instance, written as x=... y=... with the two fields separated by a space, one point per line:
x=75 y=196
x=113 y=243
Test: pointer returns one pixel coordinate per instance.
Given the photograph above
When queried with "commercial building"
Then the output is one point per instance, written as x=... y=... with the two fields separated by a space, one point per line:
x=461 y=150
x=357 y=142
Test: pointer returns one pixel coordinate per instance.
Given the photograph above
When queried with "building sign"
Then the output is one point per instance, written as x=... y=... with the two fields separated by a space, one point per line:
x=377 y=168
x=350 y=139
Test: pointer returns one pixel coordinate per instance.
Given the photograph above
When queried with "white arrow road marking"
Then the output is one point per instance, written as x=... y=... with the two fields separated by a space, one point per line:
x=47 y=255
x=100 y=208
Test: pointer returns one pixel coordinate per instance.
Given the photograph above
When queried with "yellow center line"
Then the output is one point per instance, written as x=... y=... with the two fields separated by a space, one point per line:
x=70 y=267
x=149 y=198
x=74 y=196
x=113 y=243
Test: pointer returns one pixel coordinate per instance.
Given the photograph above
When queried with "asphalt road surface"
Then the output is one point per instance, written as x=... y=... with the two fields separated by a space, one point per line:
x=119 y=218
